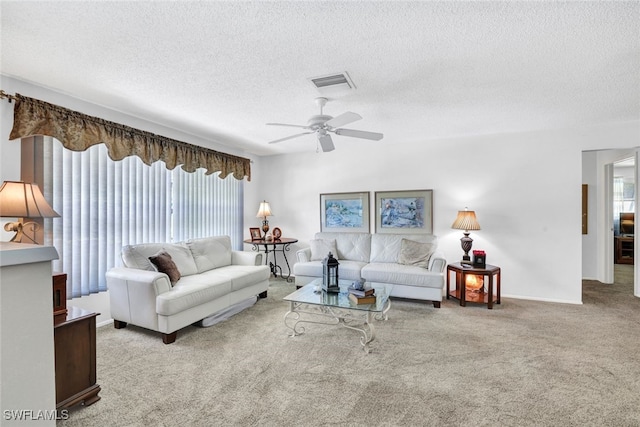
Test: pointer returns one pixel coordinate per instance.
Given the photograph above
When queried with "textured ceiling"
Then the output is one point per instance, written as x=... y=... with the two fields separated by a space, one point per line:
x=423 y=70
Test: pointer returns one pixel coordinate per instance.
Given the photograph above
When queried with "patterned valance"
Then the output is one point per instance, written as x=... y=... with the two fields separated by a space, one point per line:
x=79 y=131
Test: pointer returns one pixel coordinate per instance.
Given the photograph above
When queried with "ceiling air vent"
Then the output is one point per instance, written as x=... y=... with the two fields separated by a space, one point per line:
x=336 y=82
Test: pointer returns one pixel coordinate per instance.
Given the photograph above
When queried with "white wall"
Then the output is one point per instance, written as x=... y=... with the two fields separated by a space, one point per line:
x=525 y=189
x=590 y=240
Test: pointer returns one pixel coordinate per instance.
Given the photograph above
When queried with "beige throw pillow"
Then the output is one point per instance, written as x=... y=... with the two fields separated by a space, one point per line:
x=163 y=262
x=415 y=253
x=320 y=248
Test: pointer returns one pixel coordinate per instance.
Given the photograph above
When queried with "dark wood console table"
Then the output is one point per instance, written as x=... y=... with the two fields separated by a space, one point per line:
x=624 y=249
x=273 y=246
x=75 y=359
x=482 y=297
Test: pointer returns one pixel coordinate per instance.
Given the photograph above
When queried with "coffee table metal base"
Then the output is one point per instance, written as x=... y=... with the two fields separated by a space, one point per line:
x=357 y=320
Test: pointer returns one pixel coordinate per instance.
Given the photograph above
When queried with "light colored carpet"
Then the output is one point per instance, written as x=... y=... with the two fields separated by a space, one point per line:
x=525 y=363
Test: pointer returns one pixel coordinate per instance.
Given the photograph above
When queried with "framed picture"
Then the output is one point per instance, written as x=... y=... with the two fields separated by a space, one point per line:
x=344 y=212
x=255 y=233
x=408 y=212
x=277 y=233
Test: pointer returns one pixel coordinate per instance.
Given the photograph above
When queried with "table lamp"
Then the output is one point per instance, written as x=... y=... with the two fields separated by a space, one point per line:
x=23 y=200
x=466 y=220
x=263 y=212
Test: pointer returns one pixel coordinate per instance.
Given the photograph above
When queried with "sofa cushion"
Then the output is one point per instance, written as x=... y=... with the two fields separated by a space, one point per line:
x=415 y=253
x=137 y=256
x=398 y=274
x=386 y=247
x=242 y=276
x=210 y=252
x=163 y=262
x=191 y=291
x=320 y=248
x=348 y=270
x=181 y=255
x=350 y=246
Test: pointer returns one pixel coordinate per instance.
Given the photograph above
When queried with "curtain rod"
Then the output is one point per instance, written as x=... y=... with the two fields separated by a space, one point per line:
x=9 y=97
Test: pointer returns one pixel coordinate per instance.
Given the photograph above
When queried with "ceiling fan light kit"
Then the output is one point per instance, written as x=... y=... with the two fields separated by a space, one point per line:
x=322 y=124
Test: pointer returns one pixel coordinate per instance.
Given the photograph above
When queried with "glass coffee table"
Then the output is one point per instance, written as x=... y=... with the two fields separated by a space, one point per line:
x=310 y=304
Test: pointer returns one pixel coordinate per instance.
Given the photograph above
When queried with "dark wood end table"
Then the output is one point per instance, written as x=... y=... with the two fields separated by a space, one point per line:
x=483 y=297
x=272 y=246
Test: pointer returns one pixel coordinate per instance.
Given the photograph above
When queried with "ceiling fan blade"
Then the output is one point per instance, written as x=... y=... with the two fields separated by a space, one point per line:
x=359 y=134
x=285 y=124
x=289 y=137
x=326 y=142
x=343 y=119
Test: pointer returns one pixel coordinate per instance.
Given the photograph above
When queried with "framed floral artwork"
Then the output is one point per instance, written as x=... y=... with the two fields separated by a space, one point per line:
x=344 y=212
x=409 y=212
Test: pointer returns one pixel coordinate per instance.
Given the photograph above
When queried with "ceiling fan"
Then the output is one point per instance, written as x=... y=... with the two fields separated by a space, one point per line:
x=322 y=124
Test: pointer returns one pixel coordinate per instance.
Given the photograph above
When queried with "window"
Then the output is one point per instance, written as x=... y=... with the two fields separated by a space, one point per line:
x=105 y=205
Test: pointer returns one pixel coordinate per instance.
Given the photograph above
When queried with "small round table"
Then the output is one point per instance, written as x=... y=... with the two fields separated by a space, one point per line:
x=460 y=292
x=272 y=246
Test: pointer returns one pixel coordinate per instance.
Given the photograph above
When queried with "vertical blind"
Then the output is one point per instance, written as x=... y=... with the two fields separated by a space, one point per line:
x=105 y=204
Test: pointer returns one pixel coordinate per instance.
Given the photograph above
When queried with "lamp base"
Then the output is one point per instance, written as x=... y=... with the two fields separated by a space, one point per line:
x=466 y=242
x=18 y=228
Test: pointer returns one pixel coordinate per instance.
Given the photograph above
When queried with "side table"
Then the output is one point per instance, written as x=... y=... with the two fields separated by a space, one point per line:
x=272 y=246
x=484 y=297
x=75 y=359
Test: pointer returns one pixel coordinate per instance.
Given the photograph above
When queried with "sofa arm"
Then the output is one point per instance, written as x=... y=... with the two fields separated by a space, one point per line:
x=132 y=295
x=303 y=255
x=437 y=263
x=246 y=258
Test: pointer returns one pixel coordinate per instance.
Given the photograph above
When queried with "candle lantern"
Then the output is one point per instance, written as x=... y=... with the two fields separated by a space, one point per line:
x=330 y=274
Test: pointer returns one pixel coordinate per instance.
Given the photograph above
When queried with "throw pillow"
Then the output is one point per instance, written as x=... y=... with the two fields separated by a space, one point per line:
x=415 y=253
x=163 y=262
x=320 y=248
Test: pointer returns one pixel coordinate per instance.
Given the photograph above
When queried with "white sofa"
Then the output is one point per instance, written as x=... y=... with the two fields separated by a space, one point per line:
x=375 y=258
x=213 y=278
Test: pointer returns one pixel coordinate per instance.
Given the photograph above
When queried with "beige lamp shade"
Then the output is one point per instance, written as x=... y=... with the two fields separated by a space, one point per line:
x=264 y=210
x=466 y=220
x=22 y=200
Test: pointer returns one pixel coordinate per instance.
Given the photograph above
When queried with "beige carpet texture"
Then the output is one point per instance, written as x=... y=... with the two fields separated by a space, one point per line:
x=524 y=363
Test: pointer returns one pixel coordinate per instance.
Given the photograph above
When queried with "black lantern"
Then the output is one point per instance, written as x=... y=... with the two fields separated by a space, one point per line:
x=330 y=274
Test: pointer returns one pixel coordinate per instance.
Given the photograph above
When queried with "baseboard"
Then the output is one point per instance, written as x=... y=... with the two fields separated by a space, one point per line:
x=559 y=301
x=104 y=323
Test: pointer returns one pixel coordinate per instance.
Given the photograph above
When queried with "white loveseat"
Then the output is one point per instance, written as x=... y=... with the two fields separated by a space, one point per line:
x=213 y=277
x=375 y=258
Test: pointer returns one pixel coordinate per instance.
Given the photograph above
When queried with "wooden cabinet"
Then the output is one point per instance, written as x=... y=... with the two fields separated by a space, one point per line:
x=624 y=250
x=59 y=297
x=75 y=359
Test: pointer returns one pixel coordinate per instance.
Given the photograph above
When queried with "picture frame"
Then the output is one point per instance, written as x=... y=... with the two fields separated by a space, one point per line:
x=255 y=233
x=276 y=233
x=345 y=212
x=404 y=212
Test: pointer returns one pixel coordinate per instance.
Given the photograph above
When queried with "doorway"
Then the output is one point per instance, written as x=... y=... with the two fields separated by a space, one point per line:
x=598 y=239
x=624 y=207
